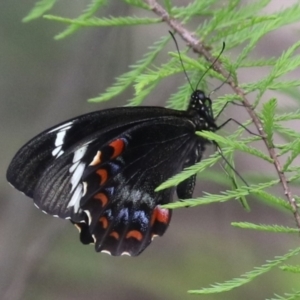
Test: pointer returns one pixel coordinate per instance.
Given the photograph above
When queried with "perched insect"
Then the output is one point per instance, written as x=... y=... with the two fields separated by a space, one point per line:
x=100 y=170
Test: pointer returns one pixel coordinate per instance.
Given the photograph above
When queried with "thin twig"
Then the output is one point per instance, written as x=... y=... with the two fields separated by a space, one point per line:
x=199 y=47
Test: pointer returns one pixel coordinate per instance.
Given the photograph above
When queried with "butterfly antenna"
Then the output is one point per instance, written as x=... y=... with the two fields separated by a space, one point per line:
x=216 y=59
x=186 y=75
x=220 y=86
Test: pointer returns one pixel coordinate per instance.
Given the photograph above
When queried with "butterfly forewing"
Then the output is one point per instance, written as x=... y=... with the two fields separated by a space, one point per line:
x=30 y=161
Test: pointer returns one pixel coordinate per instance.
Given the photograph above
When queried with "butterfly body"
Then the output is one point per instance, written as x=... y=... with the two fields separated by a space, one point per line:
x=100 y=170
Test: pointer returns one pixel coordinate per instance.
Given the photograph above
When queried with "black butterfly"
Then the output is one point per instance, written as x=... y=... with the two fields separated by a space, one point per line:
x=100 y=170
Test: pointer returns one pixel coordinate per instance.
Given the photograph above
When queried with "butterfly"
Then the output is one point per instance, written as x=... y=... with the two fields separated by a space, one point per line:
x=100 y=170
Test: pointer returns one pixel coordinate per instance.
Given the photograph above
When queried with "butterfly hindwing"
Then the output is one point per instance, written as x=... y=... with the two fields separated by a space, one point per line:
x=123 y=209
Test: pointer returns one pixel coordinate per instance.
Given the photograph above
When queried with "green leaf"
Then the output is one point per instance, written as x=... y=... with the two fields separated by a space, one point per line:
x=222 y=197
x=288 y=296
x=125 y=80
x=92 y=8
x=171 y=68
x=168 y=6
x=294 y=115
x=260 y=62
x=289 y=268
x=199 y=8
x=247 y=277
x=264 y=227
x=295 y=151
x=294 y=177
x=268 y=113
x=288 y=133
x=233 y=144
x=138 y=3
x=138 y=99
x=105 y=22
x=272 y=200
x=153 y=75
x=180 y=99
x=39 y=9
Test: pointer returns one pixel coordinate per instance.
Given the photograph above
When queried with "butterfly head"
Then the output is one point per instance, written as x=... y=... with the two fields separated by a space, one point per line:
x=203 y=105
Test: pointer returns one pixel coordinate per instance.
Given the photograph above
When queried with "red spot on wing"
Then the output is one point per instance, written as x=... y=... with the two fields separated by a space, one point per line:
x=134 y=234
x=102 y=198
x=118 y=147
x=104 y=222
x=103 y=174
x=161 y=215
x=115 y=235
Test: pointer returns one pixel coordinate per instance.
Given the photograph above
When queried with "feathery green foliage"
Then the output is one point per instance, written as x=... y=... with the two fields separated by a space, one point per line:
x=272 y=200
x=234 y=145
x=268 y=113
x=104 y=22
x=200 y=8
x=247 y=277
x=240 y=25
x=295 y=151
x=263 y=227
x=39 y=9
x=288 y=116
x=125 y=80
x=92 y=8
x=288 y=268
x=222 y=197
x=287 y=296
x=137 y=3
x=175 y=100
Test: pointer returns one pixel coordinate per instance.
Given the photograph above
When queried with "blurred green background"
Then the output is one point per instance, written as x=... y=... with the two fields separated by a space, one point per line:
x=43 y=82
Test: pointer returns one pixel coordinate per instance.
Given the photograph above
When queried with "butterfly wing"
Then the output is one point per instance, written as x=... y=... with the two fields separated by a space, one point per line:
x=185 y=188
x=29 y=163
x=123 y=210
x=100 y=170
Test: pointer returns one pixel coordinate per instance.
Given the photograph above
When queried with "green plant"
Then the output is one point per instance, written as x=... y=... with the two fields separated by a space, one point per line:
x=239 y=25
